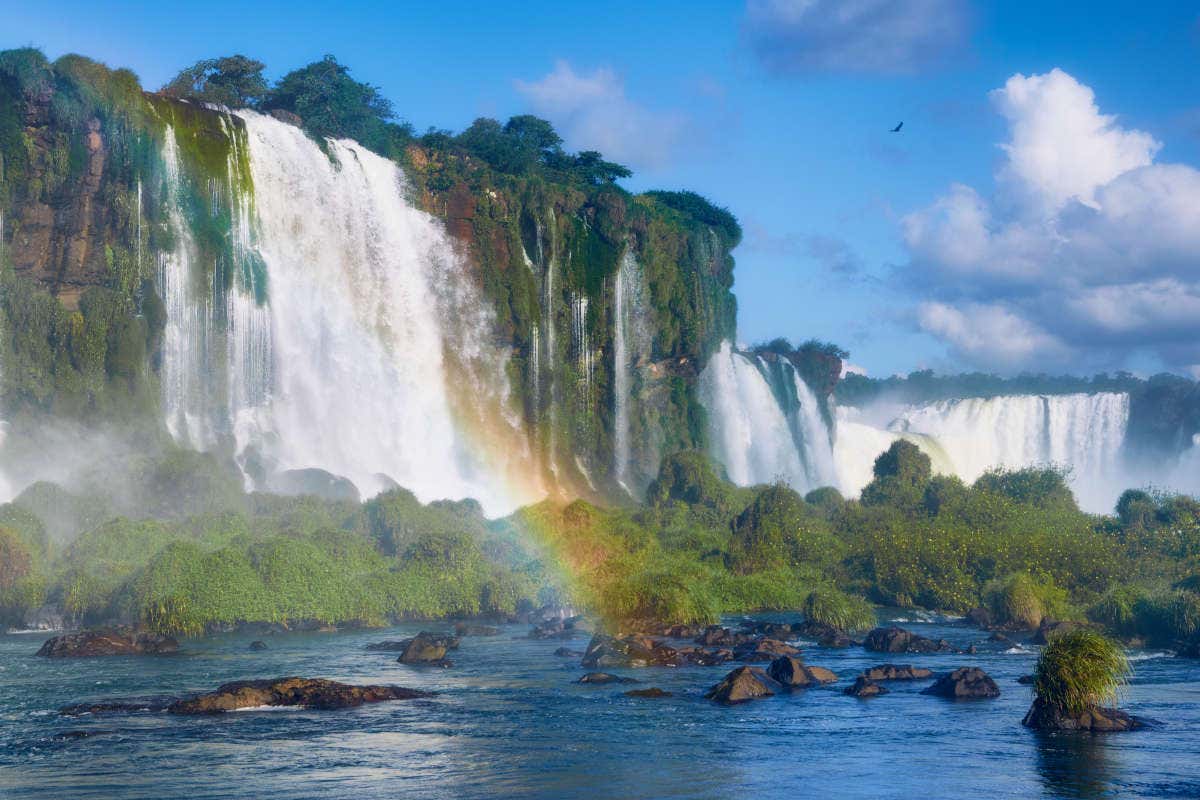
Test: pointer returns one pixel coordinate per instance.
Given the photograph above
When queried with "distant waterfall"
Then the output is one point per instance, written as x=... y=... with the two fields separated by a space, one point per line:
x=1083 y=432
x=631 y=343
x=764 y=424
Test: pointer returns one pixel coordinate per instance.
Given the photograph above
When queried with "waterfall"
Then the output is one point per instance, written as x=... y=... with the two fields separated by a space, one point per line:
x=764 y=422
x=966 y=437
x=631 y=344
x=360 y=363
x=187 y=368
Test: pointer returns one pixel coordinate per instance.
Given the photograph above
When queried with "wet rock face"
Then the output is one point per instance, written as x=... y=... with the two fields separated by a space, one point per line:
x=896 y=672
x=791 y=671
x=964 y=683
x=428 y=648
x=307 y=692
x=898 y=640
x=1047 y=717
x=864 y=687
x=108 y=642
x=744 y=683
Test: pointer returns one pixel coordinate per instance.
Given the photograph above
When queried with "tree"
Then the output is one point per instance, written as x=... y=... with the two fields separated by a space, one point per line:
x=592 y=168
x=232 y=81
x=780 y=530
x=332 y=104
x=901 y=474
x=534 y=134
x=15 y=561
x=1041 y=487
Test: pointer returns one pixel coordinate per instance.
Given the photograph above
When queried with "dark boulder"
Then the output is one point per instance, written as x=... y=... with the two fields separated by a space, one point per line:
x=1027 y=680
x=1048 y=717
x=792 y=672
x=706 y=656
x=864 y=687
x=744 y=683
x=898 y=640
x=108 y=642
x=715 y=635
x=605 y=677
x=632 y=651
x=307 y=692
x=427 y=649
x=896 y=672
x=964 y=683
x=651 y=693
x=258 y=645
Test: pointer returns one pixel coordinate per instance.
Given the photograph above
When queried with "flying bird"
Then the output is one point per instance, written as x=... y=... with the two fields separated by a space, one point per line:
x=897 y=128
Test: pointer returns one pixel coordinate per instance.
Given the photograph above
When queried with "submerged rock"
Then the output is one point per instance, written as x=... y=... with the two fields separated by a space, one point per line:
x=898 y=640
x=466 y=629
x=108 y=642
x=791 y=671
x=864 y=687
x=307 y=692
x=651 y=693
x=566 y=652
x=128 y=705
x=744 y=683
x=896 y=672
x=605 y=677
x=259 y=645
x=1048 y=717
x=964 y=683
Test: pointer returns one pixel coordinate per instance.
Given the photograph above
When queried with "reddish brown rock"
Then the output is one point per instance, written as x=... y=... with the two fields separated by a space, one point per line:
x=108 y=642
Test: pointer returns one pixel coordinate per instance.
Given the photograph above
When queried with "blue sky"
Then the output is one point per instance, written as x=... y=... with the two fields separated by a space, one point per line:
x=780 y=109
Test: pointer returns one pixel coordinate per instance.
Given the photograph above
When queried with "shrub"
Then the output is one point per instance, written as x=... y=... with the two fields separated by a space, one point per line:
x=1079 y=670
x=1021 y=600
x=1117 y=610
x=779 y=529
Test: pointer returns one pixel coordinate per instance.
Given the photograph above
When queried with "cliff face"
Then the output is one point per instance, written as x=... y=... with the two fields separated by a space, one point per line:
x=609 y=303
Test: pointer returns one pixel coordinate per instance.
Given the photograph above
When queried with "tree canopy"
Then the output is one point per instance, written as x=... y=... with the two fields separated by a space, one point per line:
x=232 y=81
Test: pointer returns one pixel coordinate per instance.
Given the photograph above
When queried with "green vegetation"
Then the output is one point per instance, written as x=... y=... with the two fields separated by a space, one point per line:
x=845 y=612
x=231 y=81
x=1079 y=670
x=1022 y=602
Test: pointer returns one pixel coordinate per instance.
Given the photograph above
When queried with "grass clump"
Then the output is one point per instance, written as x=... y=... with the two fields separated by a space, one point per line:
x=1022 y=601
x=845 y=612
x=1079 y=670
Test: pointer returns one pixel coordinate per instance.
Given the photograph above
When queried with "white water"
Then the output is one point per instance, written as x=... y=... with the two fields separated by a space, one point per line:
x=751 y=434
x=187 y=367
x=631 y=344
x=359 y=284
x=1082 y=432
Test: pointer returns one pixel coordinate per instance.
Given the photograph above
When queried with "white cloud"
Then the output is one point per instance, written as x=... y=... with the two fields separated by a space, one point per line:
x=593 y=112
x=858 y=36
x=1088 y=247
x=1062 y=148
x=990 y=334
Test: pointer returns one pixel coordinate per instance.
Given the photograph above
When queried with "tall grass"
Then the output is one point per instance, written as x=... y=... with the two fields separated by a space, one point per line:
x=1079 y=670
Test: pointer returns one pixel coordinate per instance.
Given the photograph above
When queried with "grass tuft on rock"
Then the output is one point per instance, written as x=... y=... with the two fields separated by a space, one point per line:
x=842 y=611
x=1079 y=670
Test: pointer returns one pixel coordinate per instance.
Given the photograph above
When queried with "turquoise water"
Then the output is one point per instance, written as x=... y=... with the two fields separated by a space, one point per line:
x=508 y=722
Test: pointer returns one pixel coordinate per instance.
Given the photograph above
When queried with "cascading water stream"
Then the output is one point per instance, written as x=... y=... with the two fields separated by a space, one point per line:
x=631 y=343
x=359 y=285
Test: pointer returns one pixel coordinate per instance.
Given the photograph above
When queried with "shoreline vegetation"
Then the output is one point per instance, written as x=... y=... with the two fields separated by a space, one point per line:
x=1013 y=552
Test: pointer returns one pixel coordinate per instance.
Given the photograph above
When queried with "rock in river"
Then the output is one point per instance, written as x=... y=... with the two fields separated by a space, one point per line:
x=898 y=640
x=108 y=642
x=744 y=683
x=307 y=692
x=964 y=683
x=896 y=672
x=1048 y=717
x=864 y=687
x=651 y=693
x=790 y=671
x=605 y=677
x=427 y=649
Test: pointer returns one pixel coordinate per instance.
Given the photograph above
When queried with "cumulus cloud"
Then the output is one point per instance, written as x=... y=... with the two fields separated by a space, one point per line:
x=593 y=112
x=854 y=36
x=1087 y=253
